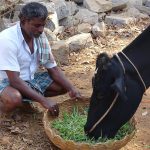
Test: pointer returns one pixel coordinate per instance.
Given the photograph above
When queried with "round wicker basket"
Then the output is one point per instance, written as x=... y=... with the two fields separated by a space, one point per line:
x=54 y=137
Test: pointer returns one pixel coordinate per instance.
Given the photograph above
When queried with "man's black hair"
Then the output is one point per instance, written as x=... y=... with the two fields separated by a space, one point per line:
x=33 y=10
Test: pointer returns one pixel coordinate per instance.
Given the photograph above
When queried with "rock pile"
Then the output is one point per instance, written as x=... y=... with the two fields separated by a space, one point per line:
x=73 y=24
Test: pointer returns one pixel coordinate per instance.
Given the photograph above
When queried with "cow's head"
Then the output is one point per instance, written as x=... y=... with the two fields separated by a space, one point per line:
x=107 y=81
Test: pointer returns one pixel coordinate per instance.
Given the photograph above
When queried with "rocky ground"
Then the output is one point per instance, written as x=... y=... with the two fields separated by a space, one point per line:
x=24 y=130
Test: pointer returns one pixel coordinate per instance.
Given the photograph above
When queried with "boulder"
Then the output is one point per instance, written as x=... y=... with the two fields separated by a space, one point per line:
x=60 y=51
x=86 y=16
x=79 y=41
x=98 y=5
x=119 y=20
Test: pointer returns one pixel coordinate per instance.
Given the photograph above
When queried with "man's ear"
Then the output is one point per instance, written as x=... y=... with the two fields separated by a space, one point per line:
x=23 y=19
x=120 y=88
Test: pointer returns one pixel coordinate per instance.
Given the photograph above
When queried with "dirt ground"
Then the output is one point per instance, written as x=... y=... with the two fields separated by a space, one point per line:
x=24 y=130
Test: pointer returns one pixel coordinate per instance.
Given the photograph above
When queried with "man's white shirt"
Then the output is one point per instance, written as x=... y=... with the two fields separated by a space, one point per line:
x=15 y=54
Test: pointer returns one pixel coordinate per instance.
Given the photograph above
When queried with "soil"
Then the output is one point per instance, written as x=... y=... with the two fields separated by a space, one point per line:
x=23 y=130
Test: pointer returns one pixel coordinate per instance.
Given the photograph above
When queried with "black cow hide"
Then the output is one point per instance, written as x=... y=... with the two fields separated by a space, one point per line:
x=110 y=79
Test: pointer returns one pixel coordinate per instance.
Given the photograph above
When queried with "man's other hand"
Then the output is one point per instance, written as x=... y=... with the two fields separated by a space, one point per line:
x=74 y=94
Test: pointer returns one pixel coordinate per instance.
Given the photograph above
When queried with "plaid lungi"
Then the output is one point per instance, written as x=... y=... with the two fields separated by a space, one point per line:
x=40 y=83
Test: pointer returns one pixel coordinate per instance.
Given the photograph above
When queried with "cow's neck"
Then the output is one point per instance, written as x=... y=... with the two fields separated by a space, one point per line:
x=139 y=53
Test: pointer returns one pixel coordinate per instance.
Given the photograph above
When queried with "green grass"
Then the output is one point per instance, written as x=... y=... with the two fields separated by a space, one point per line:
x=147 y=146
x=71 y=127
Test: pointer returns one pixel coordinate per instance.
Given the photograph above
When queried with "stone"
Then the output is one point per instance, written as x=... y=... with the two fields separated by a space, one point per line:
x=28 y=1
x=52 y=21
x=69 y=21
x=135 y=3
x=2 y=25
x=50 y=35
x=60 y=51
x=84 y=28
x=72 y=7
x=78 y=1
x=119 y=5
x=59 y=30
x=86 y=16
x=61 y=9
x=144 y=9
x=79 y=42
x=147 y=3
x=133 y=12
x=119 y=20
x=98 y=6
x=99 y=29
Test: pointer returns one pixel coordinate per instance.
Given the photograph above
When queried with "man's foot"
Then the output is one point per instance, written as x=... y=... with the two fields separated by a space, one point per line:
x=4 y=121
x=28 y=108
x=2 y=113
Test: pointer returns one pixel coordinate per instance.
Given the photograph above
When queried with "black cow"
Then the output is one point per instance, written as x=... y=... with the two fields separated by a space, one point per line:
x=126 y=74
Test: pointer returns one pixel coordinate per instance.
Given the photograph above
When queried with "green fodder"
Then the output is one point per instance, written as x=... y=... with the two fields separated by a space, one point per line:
x=71 y=127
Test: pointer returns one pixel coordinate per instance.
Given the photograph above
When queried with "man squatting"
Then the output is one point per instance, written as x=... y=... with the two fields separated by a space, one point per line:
x=23 y=48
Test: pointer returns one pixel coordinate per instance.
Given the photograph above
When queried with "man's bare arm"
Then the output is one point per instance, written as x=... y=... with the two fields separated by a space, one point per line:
x=59 y=77
x=17 y=83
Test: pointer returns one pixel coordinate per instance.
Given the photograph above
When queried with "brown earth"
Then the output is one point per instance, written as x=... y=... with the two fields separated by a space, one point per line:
x=24 y=130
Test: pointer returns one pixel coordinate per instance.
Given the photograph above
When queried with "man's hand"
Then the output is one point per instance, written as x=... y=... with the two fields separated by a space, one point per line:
x=52 y=107
x=74 y=94
x=59 y=77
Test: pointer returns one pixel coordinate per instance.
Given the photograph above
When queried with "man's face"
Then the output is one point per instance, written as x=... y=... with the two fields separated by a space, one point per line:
x=34 y=27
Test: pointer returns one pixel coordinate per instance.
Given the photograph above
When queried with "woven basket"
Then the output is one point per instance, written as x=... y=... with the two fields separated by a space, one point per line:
x=54 y=137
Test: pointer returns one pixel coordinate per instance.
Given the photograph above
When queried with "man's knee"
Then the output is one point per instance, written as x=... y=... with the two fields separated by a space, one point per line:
x=54 y=89
x=15 y=99
x=11 y=98
x=57 y=88
x=63 y=91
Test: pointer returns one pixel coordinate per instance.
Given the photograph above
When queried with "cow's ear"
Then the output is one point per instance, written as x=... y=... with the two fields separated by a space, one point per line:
x=120 y=88
x=102 y=60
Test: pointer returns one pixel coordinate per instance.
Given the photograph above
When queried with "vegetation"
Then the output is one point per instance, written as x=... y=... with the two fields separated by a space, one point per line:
x=71 y=127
